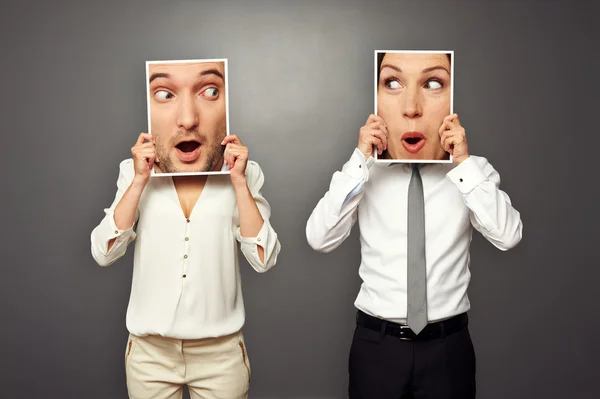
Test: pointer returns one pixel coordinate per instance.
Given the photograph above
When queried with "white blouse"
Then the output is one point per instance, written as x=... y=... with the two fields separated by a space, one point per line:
x=186 y=280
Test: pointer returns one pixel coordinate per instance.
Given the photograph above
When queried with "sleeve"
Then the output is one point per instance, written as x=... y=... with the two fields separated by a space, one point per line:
x=492 y=213
x=266 y=237
x=332 y=219
x=107 y=229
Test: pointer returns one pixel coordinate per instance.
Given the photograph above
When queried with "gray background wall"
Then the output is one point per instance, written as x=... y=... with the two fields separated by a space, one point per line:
x=301 y=73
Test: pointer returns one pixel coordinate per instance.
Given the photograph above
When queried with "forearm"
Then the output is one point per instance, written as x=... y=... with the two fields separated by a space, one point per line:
x=332 y=219
x=251 y=221
x=125 y=211
x=492 y=213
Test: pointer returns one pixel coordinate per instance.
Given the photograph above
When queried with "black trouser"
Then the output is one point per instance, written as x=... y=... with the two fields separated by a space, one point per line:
x=383 y=365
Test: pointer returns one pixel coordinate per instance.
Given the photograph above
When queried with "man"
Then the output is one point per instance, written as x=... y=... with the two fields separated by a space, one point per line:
x=411 y=336
x=186 y=309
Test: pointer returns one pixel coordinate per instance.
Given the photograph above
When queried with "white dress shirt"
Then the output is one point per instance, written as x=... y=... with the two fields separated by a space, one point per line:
x=457 y=198
x=186 y=279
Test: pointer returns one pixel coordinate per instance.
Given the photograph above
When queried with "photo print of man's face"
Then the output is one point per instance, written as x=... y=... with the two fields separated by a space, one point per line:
x=187 y=108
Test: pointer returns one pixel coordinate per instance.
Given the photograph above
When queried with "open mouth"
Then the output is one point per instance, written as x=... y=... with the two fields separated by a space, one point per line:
x=188 y=151
x=413 y=142
x=187 y=146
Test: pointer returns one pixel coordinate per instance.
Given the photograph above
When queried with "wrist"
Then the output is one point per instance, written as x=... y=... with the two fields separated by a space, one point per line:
x=364 y=152
x=239 y=183
x=459 y=160
x=139 y=182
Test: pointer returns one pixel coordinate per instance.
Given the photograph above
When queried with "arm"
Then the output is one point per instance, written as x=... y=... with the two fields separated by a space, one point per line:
x=112 y=236
x=332 y=219
x=478 y=182
x=258 y=240
x=492 y=213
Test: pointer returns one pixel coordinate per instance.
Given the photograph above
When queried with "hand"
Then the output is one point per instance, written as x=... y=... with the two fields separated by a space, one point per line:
x=373 y=133
x=236 y=158
x=144 y=156
x=454 y=139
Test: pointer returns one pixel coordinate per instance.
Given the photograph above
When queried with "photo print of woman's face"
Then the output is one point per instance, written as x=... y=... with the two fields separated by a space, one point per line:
x=414 y=95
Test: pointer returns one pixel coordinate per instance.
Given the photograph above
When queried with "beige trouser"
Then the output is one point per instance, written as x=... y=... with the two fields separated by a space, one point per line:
x=212 y=368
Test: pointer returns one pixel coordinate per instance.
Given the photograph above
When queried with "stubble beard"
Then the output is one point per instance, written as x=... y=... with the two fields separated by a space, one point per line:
x=212 y=150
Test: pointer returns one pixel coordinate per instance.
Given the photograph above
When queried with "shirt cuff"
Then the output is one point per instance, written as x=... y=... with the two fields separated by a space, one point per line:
x=260 y=238
x=358 y=166
x=115 y=231
x=466 y=176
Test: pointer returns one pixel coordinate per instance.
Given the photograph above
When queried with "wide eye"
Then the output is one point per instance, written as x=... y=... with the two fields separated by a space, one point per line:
x=163 y=95
x=211 y=92
x=433 y=84
x=392 y=84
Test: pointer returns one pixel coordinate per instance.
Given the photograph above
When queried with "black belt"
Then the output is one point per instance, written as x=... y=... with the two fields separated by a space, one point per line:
x=433 y=330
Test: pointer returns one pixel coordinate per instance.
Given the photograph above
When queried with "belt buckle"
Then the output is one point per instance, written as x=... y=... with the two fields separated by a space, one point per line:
x=404 y=327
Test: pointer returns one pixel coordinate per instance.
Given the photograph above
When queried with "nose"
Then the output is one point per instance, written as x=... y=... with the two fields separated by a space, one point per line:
x=187 y=113
x=412 y=107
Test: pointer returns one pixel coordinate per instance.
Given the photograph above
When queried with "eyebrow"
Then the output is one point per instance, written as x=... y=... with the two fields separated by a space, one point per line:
x=203 y=73
x=212 y=72
x=159 y=75
x=426 y=70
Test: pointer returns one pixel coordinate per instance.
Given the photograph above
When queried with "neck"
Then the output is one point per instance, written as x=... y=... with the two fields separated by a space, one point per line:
x=189 y=181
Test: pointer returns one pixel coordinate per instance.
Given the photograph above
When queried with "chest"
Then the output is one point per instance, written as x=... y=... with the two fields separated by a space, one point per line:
x=188 y=198
x=384 y=207
x=162 y=207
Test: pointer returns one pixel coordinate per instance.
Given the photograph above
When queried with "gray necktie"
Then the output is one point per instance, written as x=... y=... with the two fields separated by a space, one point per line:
x=416 y=272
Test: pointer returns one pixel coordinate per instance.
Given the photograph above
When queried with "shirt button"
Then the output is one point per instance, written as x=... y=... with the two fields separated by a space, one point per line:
x=116 y=231
x=185 y=275
x=187 y=220
x=258 y=239
x=184 y=256
x=187 y=238
x=460 y=179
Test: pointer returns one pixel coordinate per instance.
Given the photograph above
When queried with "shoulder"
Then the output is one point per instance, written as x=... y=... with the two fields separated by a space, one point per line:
x=254 y=174
x=126 y=169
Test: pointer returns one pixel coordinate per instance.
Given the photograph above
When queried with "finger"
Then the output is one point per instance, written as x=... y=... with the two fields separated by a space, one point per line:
x=226 y=161
x=232 y=138
x=450 y=117
x=145 y=146
x=230 y=158
x=144 y=152
x=443 y=127
x=453 y=125
x=143 y=137
x=238 y=152
x=376 y=124
x=447 y=144
x=444 y=140
x=374 y=118
x=382 y=137
x=451 y=140
x=376 y=141
x=146 y=157
x=232 y=146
